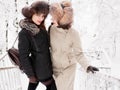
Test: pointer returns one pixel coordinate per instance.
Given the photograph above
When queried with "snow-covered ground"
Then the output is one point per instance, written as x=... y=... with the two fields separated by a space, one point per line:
x=24 y=82
x=97 y=20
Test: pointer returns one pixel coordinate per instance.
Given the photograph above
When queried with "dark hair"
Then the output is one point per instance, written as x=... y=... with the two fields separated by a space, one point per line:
x=36 y=7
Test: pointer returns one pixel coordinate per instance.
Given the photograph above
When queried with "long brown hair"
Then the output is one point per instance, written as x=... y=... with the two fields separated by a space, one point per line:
x=37 y=7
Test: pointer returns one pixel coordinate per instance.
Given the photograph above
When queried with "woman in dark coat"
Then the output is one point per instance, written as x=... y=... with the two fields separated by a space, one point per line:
x=34 y=46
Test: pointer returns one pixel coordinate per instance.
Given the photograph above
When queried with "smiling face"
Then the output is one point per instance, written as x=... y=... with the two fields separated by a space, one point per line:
x=38 y=18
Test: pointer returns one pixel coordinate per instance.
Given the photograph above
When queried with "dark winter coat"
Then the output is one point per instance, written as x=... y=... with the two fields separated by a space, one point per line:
x=35 y=59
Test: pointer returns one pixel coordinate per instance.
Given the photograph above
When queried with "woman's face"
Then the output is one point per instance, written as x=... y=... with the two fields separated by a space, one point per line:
x=38 y=18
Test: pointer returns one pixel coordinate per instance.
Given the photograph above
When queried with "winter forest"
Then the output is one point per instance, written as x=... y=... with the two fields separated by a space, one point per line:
x=98 y=24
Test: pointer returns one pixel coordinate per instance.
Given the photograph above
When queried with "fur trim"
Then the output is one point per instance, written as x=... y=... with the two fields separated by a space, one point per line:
x=56 y=11
x=29 y=26
x=62 y=12
x=66 y=3
x=67 y=17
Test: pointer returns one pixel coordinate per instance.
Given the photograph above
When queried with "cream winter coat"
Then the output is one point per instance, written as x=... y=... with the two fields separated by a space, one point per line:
x=66 y=51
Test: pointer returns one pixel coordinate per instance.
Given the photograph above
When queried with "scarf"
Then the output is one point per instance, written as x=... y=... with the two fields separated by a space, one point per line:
x=33 y=28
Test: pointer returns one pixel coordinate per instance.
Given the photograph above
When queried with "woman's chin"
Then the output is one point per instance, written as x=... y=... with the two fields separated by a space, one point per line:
x=38 y=23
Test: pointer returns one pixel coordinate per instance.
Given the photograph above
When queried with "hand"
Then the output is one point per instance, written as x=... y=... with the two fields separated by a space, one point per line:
x=92 y=69
x=33 y=79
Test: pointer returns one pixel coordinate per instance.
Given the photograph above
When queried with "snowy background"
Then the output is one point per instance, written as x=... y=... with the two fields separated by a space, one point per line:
x=98 y=22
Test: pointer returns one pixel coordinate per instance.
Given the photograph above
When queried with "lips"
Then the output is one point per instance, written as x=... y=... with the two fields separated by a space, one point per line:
x=39 y=21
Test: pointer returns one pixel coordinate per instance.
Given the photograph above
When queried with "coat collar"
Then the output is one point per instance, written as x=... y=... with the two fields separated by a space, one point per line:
x=33 y=28
x=60 y=30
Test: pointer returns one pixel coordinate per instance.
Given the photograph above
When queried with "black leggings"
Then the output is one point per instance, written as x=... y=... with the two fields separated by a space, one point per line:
x=33 y=86
x=52 y=86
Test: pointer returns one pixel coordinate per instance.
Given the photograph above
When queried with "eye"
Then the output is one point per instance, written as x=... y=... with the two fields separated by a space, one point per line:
x=38 y=15
x=43 y=15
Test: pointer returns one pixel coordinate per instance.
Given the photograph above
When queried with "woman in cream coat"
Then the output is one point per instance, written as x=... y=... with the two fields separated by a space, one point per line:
x=66 y=48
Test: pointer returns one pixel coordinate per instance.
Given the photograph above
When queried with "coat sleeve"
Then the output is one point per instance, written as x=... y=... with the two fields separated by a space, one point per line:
x=24 y=51
x=78 y=50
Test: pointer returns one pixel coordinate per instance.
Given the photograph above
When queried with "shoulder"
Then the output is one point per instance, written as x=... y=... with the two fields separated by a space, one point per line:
x=23 y=32
x=74 y=32
x=53 y=27
x=52 y=30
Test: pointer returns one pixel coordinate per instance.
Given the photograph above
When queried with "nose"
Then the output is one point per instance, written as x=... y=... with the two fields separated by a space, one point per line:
x=41 y=19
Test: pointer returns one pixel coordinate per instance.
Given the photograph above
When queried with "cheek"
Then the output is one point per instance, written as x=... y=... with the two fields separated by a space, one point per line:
x=42 y=18
x=35 y=18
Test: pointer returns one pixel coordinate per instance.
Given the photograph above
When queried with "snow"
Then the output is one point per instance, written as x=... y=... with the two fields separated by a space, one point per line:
x=98 y=22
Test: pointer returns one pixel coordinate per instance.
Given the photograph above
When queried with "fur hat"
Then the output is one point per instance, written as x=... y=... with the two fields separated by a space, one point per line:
x=36 y=7
x=62 y=12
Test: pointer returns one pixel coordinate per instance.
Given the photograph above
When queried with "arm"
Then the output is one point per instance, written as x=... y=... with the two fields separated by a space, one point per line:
x=79 y=54
x=78 y=50
x=24 y=51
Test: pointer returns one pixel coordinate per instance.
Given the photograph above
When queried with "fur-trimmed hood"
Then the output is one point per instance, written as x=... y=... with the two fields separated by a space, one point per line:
x=62 y=12
x=33 y=28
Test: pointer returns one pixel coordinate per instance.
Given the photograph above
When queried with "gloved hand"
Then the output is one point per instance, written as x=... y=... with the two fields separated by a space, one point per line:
x=92 y=69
